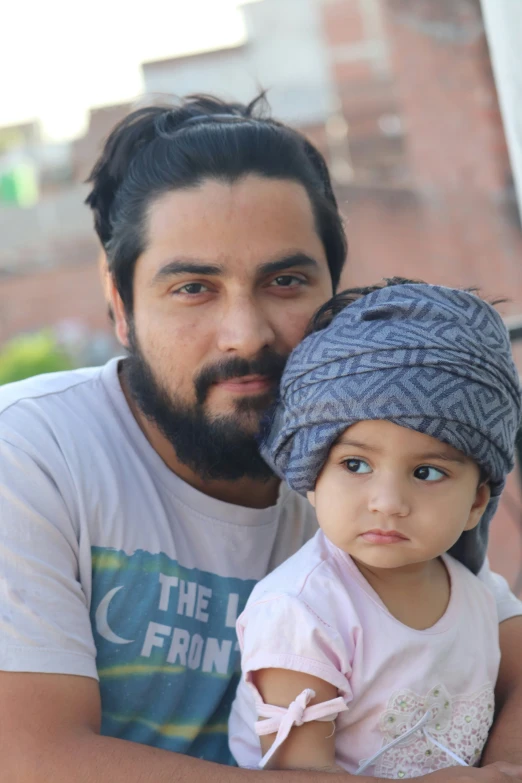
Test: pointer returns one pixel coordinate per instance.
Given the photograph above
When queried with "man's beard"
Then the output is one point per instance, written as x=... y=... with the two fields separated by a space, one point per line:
x=216 y=448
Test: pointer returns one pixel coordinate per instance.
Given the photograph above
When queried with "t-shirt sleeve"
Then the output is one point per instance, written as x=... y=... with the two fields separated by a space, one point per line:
x=44 y=616
x=283 y=632
x=507 y=604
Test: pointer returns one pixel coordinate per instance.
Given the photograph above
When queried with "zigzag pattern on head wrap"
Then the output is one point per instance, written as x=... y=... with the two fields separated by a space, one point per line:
x=433 y=359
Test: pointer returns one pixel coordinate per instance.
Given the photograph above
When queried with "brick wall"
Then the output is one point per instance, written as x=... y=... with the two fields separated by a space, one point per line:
x=48 y=296
x=430 y=195
x=447 y=213
x=447 y=93
x=355 y=35
x=451 y=238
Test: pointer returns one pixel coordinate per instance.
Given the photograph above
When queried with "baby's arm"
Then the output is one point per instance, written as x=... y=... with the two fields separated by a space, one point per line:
x=310 y=746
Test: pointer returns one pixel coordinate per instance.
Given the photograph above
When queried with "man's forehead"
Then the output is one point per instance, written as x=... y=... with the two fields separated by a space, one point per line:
x=239 y=226
x=256 y=199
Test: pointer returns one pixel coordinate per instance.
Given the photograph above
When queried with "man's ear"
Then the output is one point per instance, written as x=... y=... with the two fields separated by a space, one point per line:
x=121 y=325
x=479 y=506
x=311 y=498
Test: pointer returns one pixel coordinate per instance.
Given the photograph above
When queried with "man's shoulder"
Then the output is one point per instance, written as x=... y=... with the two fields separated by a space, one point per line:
x=472 y=589
x=42 y=387
x=296 y=506
x=43 y=413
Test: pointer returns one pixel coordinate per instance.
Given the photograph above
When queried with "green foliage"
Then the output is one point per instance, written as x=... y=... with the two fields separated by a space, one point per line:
x=29 y=355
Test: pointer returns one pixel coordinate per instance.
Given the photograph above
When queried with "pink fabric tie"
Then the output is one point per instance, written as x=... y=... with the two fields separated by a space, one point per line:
x=283 y=719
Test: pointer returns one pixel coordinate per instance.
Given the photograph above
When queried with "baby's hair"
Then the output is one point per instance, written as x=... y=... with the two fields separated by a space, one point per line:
x=327 y=312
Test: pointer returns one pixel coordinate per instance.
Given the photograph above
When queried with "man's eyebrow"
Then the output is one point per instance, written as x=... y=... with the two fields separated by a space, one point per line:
x=185 y=266
x=288 y=262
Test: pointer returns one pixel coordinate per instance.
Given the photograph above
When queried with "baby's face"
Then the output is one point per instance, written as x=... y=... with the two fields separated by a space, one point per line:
x=391 y=497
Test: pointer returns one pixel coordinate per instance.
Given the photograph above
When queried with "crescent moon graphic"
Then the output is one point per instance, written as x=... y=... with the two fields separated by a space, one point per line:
x=102 y=623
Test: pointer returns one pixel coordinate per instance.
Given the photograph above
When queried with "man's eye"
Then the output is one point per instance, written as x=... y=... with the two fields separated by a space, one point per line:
x=191 y=289
x=285 y=281
x=357 y=466
x=428 y=473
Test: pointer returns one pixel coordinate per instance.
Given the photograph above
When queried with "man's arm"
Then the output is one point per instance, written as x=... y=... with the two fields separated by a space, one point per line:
x=505 y=739
x=49 y=733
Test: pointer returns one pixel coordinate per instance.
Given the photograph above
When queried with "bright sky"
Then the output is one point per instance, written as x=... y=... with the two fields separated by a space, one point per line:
x=58 y=57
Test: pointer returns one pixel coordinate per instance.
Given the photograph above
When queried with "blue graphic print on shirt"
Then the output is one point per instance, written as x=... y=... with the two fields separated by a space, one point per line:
x=167 y=653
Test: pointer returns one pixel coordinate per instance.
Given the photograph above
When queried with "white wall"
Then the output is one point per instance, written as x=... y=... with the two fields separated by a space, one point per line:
x=503 y=21
x=285 y=53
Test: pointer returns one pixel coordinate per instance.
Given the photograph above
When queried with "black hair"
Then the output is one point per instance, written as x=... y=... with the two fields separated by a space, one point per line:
x=156 y=149
x=327 y=312
x=324 y=316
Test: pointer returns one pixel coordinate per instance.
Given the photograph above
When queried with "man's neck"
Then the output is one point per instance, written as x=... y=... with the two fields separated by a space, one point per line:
x=250 y=493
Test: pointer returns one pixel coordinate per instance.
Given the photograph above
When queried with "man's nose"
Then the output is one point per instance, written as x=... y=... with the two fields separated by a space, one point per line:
x=244 y=328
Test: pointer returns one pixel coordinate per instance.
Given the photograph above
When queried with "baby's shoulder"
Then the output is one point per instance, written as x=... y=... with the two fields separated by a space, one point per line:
x=471 y=591
x=309 y=578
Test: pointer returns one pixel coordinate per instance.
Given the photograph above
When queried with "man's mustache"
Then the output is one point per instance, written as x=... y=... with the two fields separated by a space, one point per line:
x=269 y=364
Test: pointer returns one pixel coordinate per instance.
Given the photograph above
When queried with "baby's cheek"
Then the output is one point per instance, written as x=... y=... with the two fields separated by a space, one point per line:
x=338 y=531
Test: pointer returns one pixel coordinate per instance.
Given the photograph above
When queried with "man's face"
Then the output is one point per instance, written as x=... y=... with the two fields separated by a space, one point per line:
x=229 y=279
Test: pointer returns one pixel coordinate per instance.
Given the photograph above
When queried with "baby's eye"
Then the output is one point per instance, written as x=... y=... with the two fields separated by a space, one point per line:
x=427 y=473
x=357 y=466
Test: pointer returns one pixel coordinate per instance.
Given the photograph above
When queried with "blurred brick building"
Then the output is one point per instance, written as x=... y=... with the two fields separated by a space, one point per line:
x=449 y=214
x=399 y=94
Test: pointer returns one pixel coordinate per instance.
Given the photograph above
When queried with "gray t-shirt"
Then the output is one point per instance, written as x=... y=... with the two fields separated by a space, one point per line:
x=112 y=567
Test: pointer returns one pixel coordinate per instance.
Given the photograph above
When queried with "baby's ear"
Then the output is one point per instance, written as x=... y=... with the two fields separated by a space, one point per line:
x=479 y=505
x=311 y=498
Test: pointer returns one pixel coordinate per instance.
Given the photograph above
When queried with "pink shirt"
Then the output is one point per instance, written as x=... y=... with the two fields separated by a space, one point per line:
x=316 y=613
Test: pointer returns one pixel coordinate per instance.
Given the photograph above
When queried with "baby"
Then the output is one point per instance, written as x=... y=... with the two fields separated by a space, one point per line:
x=373 y=649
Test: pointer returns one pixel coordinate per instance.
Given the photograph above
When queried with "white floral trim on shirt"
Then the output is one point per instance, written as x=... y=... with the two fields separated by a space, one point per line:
x=459 y=724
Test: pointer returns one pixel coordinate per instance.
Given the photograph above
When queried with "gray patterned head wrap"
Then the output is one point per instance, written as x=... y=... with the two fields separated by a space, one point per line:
x=433 y=359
